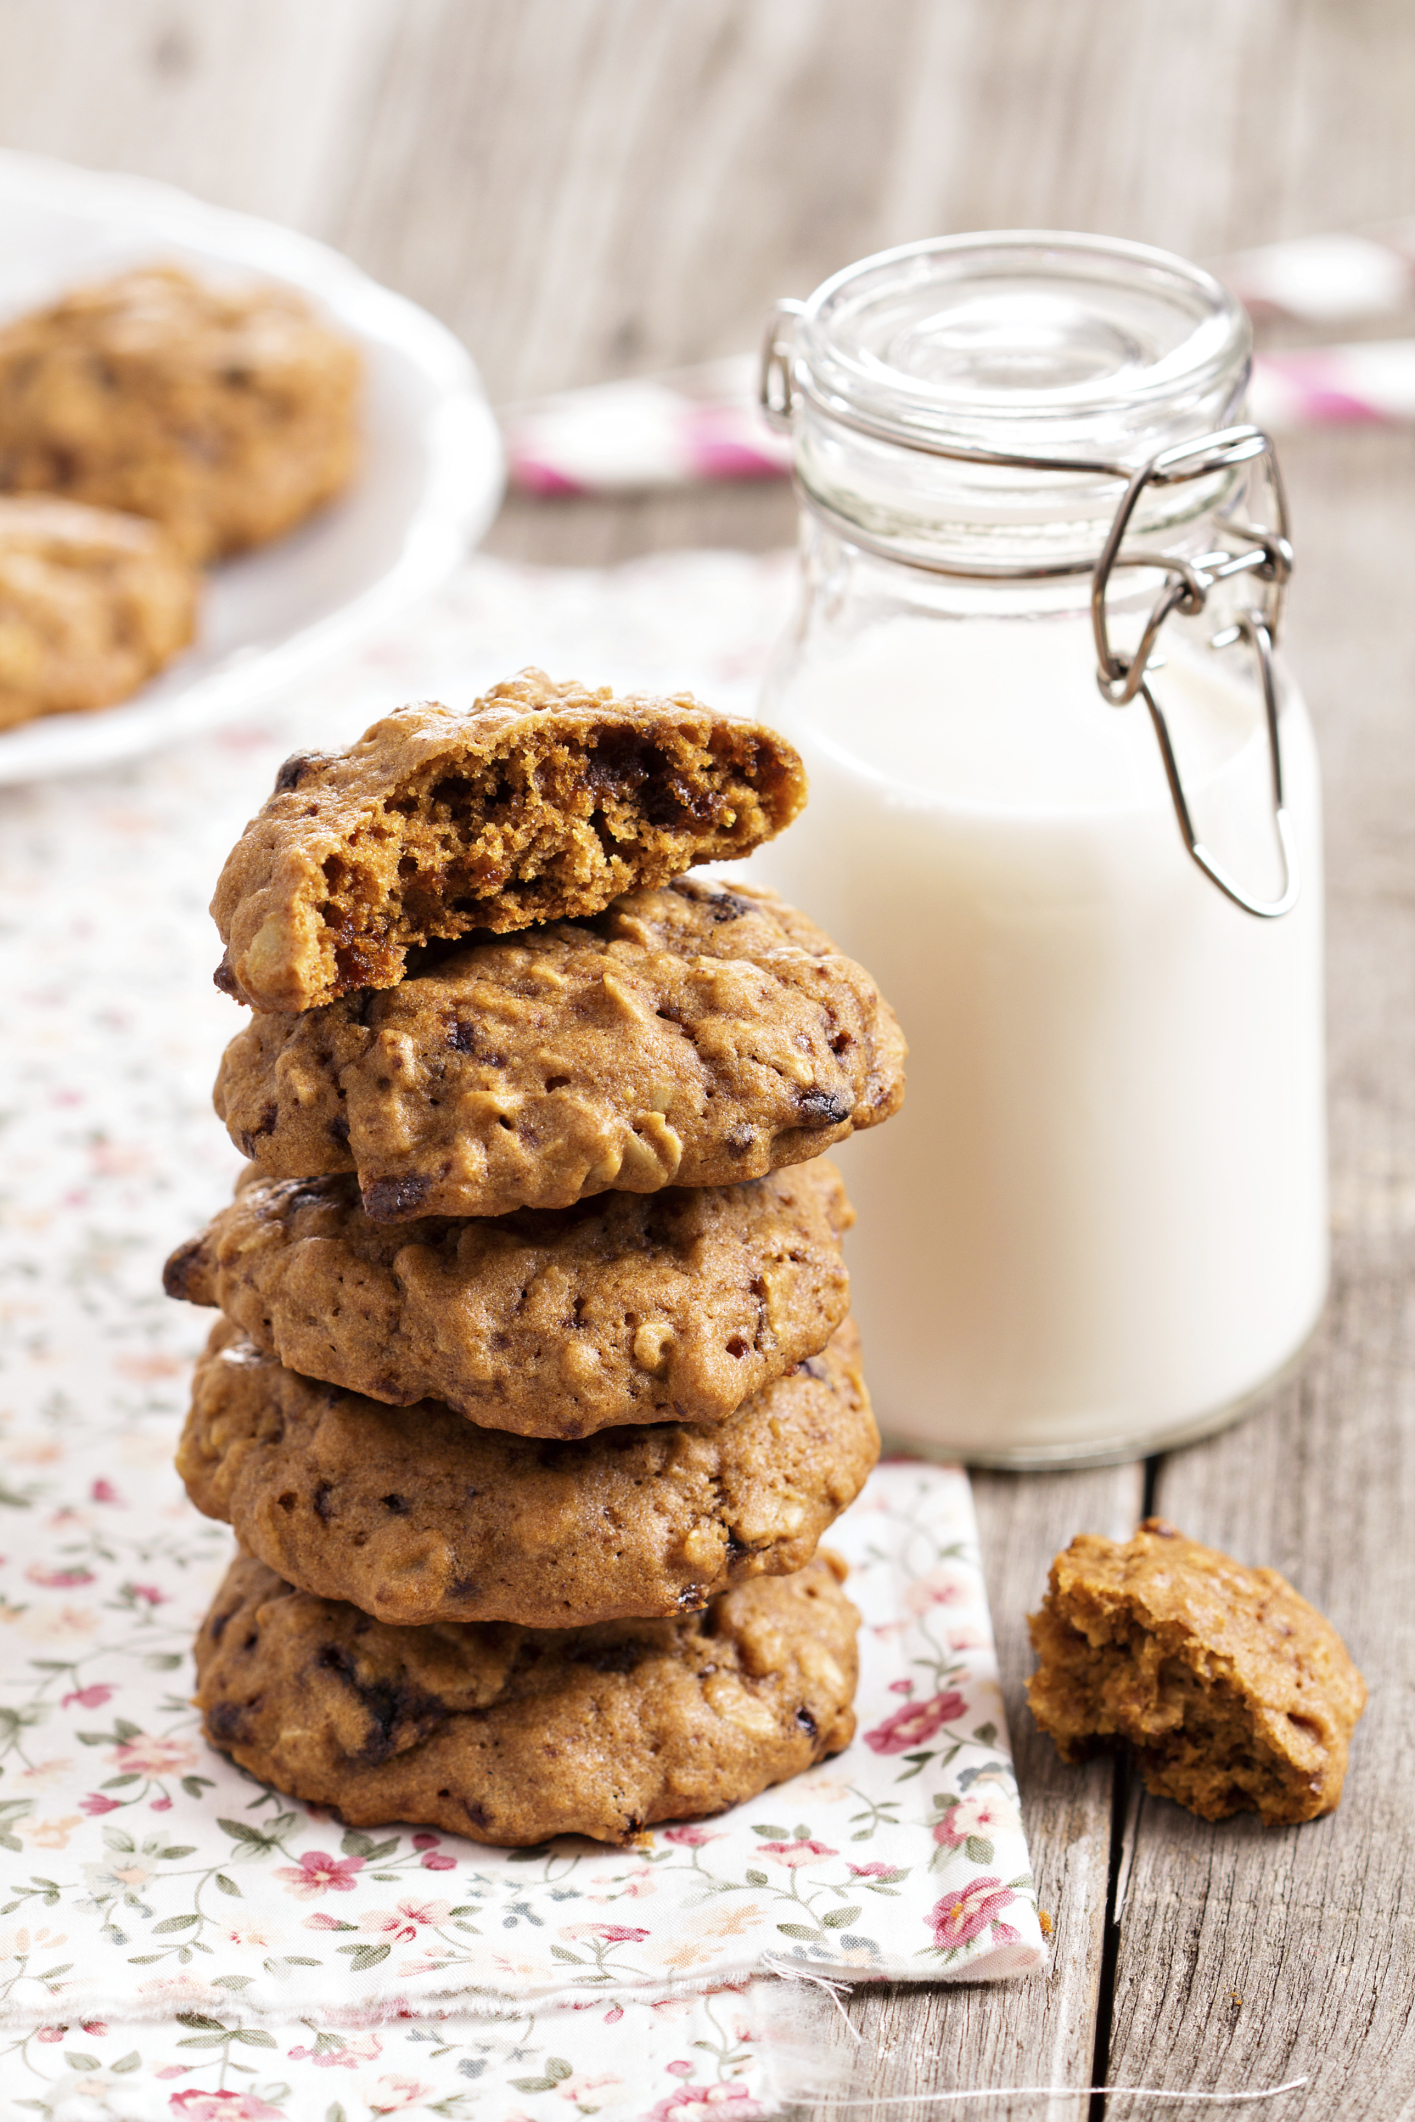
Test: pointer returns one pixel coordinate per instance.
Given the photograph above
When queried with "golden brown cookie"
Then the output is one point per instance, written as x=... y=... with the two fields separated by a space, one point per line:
x=553 y=1322
x=227 y=415
x=416 y=1516
x=1235 y=1693
x=511 y=1735
x=540 y=802
x=92 y=603
x=690 y=1036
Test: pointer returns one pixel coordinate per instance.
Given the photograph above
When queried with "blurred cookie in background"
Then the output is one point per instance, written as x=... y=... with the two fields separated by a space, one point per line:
x=226 y=415
x=92 y=604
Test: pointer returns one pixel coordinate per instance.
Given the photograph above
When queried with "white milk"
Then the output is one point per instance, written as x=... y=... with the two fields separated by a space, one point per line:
x=1100 y=1217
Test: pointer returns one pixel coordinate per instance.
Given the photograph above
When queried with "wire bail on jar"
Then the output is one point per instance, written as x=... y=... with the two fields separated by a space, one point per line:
x=1261 y=553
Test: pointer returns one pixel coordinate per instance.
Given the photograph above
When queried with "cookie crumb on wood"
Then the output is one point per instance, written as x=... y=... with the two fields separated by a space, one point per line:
x=1235 y=1693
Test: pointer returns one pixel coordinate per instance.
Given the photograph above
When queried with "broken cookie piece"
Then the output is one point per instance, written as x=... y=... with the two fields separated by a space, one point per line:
x=541 y=802
x=1235 y=1693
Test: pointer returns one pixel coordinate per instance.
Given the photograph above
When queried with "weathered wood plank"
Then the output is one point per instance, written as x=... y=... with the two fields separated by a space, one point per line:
x=1250 y=1957
x=1038 y=2032
x=628 y=184
x=258 y=104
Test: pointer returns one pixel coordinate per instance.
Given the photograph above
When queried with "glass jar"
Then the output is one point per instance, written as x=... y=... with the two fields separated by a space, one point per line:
x=1065 y=806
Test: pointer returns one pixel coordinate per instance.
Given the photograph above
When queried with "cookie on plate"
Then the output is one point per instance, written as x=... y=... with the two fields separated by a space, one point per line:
x=540 y=802
x=225 y=414
x=511 y=1735
x=415 y=1515
x=692 y=1036
x=1235 y=1693
x=552 y=1322
x=92 y=604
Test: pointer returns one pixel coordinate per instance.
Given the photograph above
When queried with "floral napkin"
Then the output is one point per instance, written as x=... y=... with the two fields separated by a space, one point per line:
x=176 y=1940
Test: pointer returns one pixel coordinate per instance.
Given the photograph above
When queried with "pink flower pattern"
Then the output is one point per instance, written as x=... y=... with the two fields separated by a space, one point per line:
x=793 y=1854
x=916 y=1723
x=317 y=1873
x=959 y=1917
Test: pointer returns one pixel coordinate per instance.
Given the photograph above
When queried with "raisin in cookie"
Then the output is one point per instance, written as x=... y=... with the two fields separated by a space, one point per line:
x=92 y=603
x=225 y=415
x=541 y=802
x=1235 y=1693
x=691 y=1036
x=511 y=1735
x=552 y=1322
x=416 y=1516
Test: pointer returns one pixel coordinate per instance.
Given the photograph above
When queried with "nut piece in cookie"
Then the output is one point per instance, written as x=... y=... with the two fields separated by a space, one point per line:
x=92 y=603
x=540 y=802
x=511 y=1735
x=226 y=415
x=415 y=1515
x=551 y=1322
x=691 y=1036
x=1235 y=1693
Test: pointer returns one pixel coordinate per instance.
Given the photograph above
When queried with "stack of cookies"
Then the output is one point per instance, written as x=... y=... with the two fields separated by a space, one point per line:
x=534 y=1389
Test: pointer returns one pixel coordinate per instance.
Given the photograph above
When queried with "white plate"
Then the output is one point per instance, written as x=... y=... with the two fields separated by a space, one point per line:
x=429 y=485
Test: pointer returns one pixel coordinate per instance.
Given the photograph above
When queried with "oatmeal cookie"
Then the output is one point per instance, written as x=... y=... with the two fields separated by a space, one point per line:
x=511 y=1735
x=225 y=415
x=541 y=802
x=690 y=1036
x=92 y=603
x=416 y=1516
x=1235 y=1693
x=552 y=1322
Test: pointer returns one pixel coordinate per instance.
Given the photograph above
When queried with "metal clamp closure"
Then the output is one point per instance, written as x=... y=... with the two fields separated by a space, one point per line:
x=1262 y=552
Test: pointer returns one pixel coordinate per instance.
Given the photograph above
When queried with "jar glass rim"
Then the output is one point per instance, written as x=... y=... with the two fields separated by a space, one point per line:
x=1071 y=332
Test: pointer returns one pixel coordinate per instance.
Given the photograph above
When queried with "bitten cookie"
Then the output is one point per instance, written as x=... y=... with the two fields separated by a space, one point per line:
x=692 y=1036
x=92 y=603
x=540 y=802
x=510 y=1735
x=552 y=1322
x=416 y=1516
x=227 y=416
x=1235 y=1693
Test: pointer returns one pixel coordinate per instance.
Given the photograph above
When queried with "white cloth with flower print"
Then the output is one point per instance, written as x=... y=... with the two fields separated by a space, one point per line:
x=177 y=1941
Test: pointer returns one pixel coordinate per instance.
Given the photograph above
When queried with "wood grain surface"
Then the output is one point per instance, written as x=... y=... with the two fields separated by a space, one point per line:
x=592 y=188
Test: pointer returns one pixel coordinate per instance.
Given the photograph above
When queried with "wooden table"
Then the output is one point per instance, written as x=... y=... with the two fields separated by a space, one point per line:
x=589 y=188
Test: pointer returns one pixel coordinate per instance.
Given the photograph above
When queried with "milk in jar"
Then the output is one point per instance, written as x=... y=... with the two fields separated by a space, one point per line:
x=1099 y=1222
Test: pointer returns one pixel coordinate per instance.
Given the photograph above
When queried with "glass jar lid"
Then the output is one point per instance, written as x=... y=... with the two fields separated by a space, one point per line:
x=1098 y=348
x=1085 y=351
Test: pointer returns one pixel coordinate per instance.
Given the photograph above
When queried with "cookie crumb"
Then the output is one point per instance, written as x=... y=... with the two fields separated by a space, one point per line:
x=1235 y=1693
